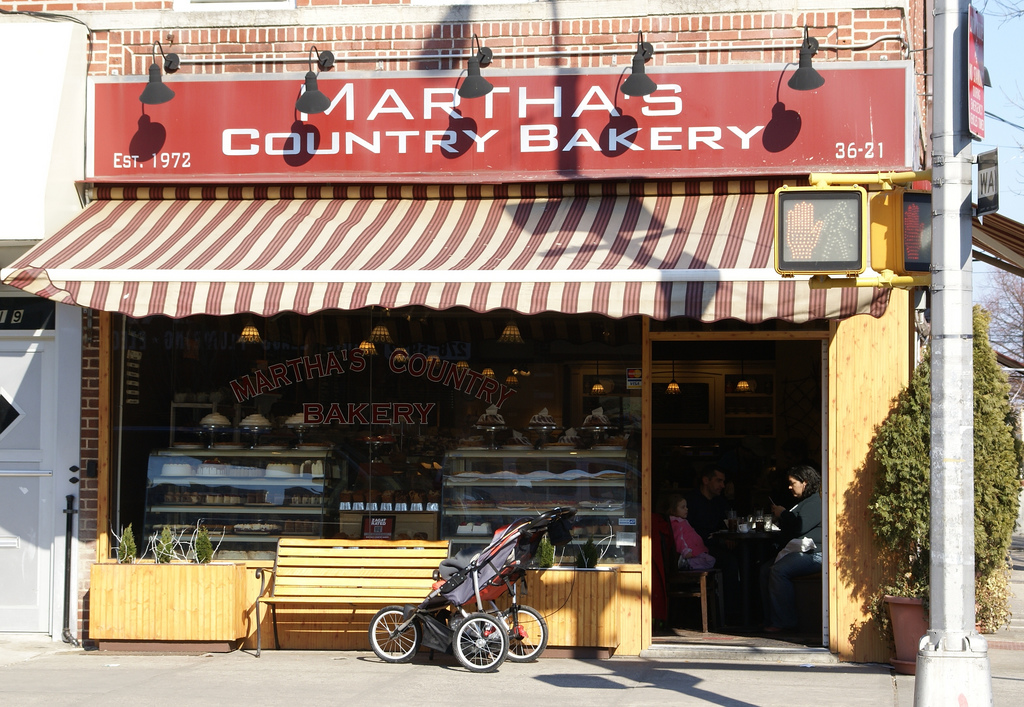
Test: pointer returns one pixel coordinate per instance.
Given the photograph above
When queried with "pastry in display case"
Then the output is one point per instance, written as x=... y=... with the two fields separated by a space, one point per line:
x=484 y=490
x=246 y=498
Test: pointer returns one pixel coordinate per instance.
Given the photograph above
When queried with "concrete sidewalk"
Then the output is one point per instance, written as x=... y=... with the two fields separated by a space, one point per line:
x=36 y=671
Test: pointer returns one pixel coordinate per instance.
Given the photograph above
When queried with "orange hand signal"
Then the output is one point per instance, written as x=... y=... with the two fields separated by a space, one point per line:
x=802 y=231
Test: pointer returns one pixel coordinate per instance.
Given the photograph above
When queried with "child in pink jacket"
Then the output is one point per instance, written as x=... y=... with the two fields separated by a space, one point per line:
x=693 y=553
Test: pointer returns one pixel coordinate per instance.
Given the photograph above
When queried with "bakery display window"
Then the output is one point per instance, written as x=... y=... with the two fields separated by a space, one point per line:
x=317 y=422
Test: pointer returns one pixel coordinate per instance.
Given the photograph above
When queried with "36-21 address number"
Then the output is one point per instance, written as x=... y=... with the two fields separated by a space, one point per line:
x=853 y=151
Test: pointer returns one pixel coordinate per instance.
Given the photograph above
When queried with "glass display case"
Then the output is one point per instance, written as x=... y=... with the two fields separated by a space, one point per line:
x=246 y=498
x=485 y=489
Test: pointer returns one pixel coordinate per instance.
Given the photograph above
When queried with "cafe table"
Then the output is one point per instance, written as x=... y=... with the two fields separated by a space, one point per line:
x=754 y=547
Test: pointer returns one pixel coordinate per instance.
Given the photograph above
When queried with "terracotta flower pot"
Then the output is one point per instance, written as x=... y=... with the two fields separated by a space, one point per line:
x=909 y=623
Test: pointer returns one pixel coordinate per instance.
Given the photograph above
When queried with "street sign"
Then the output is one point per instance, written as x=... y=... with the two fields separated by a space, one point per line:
x=988 y=182
x=976 y=74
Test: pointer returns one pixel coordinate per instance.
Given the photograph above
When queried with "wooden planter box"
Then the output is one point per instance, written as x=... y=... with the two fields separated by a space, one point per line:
x=187 y=603
x=581 y=607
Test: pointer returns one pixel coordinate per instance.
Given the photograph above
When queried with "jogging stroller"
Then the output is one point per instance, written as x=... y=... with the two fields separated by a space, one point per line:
x=454 y=618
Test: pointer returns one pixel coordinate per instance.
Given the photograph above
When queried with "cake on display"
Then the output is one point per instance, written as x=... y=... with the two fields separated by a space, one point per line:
x=491 y=418
x=569 y=438
x=597 y=418
x=215 y=419
x=542 y=419
x=518 y=441
x=255 y=420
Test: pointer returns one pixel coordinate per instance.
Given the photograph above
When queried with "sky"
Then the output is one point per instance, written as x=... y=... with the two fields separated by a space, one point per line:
x=1005 y=99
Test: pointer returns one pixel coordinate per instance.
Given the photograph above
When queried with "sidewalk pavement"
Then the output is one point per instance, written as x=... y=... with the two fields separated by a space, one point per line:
x=36 y=671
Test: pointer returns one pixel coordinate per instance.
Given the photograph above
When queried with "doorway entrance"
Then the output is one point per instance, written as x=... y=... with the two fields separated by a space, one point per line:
x=746 y=409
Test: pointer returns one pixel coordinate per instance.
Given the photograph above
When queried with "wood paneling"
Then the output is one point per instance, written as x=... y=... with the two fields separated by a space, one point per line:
x=869 y=363
x=173 y=602
x=581 y=607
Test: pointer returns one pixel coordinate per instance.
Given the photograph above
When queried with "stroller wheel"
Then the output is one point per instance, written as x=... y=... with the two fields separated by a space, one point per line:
x=481 y=642
x=527 y=634
x=388 y=645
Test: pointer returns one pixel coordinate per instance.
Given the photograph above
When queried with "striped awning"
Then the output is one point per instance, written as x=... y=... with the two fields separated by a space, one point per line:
x=665 y=250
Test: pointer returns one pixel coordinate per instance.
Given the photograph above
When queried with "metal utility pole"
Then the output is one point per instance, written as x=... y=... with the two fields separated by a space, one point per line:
x=952 y=661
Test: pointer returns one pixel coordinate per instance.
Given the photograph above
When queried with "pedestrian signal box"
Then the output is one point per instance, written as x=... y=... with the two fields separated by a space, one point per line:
x=821 y=230
x=901 y=231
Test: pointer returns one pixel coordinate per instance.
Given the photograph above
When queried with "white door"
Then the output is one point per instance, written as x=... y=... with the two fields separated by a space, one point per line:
x=27 y=442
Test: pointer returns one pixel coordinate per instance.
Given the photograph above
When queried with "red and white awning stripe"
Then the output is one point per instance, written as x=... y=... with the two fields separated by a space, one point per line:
x=665 y=250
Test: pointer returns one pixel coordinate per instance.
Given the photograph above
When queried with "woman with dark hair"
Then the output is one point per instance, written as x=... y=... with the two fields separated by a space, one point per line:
x=801 y=535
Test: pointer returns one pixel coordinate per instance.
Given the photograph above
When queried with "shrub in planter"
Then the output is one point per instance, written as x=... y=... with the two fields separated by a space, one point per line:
x=204 y=548
x=588 y=554
x=900 y=504
x=545 y=555
x=164 y=548
x=127 y=551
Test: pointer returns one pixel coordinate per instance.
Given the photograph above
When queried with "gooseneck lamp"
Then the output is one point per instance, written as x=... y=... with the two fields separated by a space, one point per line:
x=476 y=85
x=155 y=91
x=639 y=83
x=312 y=99
x=805 y=78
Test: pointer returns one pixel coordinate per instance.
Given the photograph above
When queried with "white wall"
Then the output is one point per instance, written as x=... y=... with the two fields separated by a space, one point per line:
x=42 y=126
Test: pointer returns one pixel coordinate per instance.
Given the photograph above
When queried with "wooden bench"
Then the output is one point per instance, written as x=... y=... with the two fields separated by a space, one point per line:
x=356 y=573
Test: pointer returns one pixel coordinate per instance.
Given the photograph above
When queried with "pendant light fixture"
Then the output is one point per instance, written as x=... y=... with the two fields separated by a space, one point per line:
x=511 y=334
x=381 y=334
x=487 y=372
x=367 y=347
x=461 y=365
x=250 y=334
x=400 y=356
x=597 y=388
x=742 y=385
x=511 y=380
x=673 y=387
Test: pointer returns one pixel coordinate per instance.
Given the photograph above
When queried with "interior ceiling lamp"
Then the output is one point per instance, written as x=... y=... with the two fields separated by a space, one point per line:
x=487 y=372
x=155 y=91
x=250 y=334
x=639 y=83
x=521 y=372
x=510 y=334
x=367 y=347
x=462 y=365
x=805 y=78
x=673 y=387
x=401 y=356
x=312 y=100
x=381 y=335
x=511 y=380
x=597 y=388
x=743 y=385
x=476 y=85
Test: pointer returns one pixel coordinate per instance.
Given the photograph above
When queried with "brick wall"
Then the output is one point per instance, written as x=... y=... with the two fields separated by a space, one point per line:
x=88 y=488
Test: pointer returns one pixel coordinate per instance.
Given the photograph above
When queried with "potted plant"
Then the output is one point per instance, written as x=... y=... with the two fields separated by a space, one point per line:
x=900 y=504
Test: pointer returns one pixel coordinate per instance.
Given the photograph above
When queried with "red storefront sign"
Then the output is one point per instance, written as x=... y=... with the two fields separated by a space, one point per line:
x=413 y=127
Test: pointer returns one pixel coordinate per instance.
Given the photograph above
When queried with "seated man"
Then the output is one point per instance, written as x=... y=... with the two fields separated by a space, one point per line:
x=707 y=508
x=707 y=513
